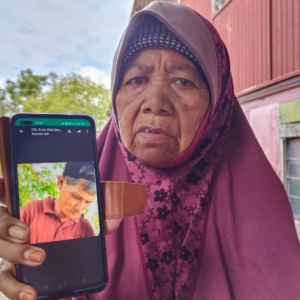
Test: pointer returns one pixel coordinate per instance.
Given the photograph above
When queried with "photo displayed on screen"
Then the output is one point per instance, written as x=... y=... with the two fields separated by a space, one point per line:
x=58 y=201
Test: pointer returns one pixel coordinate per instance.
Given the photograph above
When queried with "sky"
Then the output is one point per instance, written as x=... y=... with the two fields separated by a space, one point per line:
x=61 y=36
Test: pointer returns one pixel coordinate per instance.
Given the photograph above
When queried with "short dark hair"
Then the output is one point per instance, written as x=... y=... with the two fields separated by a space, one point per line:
x=75 y=171
x=88 y=186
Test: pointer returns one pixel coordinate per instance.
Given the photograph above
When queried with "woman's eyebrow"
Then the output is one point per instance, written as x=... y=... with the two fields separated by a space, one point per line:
x=141 y=67
x=183 y=67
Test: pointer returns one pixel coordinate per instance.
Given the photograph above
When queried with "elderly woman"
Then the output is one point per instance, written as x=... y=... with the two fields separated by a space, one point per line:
x=217 y=224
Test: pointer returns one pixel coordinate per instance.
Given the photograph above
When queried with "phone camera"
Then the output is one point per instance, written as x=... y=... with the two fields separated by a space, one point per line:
x=26 y=122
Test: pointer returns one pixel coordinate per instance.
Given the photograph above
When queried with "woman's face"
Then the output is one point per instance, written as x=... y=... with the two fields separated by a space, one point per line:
x=160 y=103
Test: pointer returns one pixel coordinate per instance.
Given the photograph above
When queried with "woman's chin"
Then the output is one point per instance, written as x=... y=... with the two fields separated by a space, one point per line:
x=154 y=156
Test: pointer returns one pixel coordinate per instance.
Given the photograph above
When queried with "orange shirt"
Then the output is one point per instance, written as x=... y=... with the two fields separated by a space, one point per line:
x=45 y=225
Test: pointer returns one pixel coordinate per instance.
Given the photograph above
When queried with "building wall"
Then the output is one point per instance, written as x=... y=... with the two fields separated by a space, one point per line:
x=244 y=26
x=264 y=123
x=204 y=7
x=262 y=37
x=263 y=118
x=285 y=37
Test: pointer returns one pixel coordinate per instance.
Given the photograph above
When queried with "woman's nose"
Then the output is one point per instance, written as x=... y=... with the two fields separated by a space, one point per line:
x=157 y=101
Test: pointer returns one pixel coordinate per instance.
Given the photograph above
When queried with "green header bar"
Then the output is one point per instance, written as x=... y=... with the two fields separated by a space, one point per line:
x=52 y=122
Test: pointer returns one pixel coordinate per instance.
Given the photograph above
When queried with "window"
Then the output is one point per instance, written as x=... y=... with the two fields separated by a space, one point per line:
x=218 y=4
x=292 y=177
x=289 y=135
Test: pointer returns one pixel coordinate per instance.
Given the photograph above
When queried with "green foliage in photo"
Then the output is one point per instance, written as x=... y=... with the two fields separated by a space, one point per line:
x=95 y=223
x=36 y=185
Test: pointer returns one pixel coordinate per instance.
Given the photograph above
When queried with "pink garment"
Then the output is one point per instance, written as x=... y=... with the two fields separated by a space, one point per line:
x=218 y=226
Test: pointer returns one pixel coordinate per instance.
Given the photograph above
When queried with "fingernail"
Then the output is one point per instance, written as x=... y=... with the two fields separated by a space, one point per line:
x=17 y=232
x=25 y=295
x=33 y=255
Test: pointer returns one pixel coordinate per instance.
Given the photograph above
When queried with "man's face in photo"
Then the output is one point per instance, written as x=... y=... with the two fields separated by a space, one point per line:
x=73 y=198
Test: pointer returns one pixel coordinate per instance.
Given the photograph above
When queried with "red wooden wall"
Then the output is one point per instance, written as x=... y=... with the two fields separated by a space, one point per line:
x=204 y=7
x=262 y=37
x=245 y=28
x=285 y=37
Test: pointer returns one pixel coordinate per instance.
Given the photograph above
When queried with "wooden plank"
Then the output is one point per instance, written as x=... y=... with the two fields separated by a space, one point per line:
x=265 y=37
x=296 y=21
x=278 y=45
x=290 y=32
x=266 y=41
x=274 y=50
x=253 y=28
x=249 y=69
x=284 y=41
x=263 y=40
x=259 y=47
x=203 y=7
x=244 y=48
x=253 y=41
x=289 y=112
x=259 y=43
x=235 y=44
x=247 y=45
x=268 y=37
x=244 y=36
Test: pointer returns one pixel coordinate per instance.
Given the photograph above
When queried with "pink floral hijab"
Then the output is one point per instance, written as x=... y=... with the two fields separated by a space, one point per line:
x=217 y=224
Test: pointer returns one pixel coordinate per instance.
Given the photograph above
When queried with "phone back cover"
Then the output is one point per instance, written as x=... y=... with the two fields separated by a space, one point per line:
x=5 y=155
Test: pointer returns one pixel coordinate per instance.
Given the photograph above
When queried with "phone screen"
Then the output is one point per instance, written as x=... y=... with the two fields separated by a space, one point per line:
x=57 y=195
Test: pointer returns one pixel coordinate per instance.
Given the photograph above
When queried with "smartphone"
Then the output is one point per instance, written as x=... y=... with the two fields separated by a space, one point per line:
x=56 y=192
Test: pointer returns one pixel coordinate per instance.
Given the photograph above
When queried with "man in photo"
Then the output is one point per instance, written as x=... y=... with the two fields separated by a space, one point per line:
x=59 y=219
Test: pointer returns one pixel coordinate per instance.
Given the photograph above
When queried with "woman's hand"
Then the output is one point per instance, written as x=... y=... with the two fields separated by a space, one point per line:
x=13 y=250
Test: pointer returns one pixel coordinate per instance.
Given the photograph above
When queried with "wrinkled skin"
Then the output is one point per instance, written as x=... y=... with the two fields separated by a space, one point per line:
x=161 y=102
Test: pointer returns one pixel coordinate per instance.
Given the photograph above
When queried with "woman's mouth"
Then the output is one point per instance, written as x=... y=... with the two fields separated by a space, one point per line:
x=150 y=134
x=154 y=130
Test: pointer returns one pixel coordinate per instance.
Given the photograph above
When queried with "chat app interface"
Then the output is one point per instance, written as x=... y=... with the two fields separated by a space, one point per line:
x=56 y=178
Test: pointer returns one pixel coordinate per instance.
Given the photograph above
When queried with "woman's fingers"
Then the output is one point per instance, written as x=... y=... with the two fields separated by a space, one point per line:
x=111 y=225
x=2 y=190
x=12 y=288
x=13 y=234
x=12 y=229
x=22 y=254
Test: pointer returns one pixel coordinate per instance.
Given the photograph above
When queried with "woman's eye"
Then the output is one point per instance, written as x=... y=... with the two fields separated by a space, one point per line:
x=137 y=81
x=184 y=82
